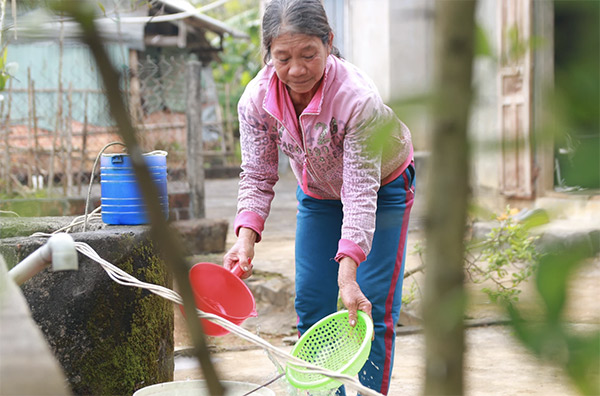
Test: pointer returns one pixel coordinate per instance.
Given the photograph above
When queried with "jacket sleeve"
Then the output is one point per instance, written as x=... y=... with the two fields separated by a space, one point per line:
x=259 y=168
x=363 y=144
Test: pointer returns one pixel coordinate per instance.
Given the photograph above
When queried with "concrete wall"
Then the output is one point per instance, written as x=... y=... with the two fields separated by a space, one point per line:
x=109 y=339
x=392 y=41
x=397 y=52
x=411 y=47
x=368 y=43
x=412 y=65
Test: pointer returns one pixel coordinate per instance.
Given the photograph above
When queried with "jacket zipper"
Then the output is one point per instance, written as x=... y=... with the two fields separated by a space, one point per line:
x=306 y=161
x=302 y=144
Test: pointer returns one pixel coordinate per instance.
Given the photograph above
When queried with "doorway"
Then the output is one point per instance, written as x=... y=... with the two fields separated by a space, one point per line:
x=577 y=88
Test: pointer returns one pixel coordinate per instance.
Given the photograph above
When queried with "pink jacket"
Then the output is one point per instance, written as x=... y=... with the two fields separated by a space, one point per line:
x=328 y=146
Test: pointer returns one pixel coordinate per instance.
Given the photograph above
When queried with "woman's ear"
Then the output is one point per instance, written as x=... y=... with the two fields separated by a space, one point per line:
x=330 y=44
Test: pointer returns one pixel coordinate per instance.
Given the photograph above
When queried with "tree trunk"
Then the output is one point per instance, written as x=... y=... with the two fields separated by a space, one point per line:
x=448 y=198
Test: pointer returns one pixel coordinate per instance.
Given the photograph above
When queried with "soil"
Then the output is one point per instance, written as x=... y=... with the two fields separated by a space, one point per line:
x=495 y=363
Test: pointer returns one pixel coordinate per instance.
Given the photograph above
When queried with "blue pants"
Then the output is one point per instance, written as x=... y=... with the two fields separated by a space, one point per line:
x=318 y=230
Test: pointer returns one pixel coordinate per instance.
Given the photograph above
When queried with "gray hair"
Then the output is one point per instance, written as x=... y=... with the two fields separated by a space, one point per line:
x=294 y=16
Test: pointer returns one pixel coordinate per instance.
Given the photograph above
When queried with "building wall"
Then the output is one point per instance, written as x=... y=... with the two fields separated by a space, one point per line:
x=392 y=41
x=411 y=57
x=336 y=15
x=368 y=43
x=484 y=127
x=411 y=47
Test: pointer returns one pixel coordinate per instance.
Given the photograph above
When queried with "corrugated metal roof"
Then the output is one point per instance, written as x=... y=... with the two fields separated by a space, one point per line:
x=122 y=26
x=198 y=19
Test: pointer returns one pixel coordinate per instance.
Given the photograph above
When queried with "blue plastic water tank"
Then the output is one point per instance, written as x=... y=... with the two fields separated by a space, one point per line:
x=121 y=198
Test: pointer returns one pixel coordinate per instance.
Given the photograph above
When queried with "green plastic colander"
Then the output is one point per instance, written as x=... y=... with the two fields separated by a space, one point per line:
x=333 y=344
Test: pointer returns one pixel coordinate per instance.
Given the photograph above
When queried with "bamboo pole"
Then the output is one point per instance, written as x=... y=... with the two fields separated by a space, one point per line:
x=69 y=142
x=83 y=142
x=228 y=127
x=220 y=120
x=36 y=141
x=7 y=139
x=135 y=99
x=58 y=124
x=30 y=154
x=4 y=175
x=195 y=143
x=14 y=14
x=2 y=14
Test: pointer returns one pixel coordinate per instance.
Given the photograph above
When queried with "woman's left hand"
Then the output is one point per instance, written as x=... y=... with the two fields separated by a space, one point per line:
x=352 y=297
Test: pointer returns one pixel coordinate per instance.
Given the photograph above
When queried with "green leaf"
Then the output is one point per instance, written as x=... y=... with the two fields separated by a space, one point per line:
x=246 y=77
x=482 y=44
x=554 y=272
x=3 y=59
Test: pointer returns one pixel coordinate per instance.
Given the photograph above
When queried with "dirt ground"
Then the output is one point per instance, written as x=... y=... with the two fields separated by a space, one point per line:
x=495 y=363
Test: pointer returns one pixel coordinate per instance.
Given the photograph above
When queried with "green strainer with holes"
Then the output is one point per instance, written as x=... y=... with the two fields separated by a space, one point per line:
x=333 y=344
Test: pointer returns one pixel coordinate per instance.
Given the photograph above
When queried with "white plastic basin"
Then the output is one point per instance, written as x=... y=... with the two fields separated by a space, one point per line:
x=199 y=388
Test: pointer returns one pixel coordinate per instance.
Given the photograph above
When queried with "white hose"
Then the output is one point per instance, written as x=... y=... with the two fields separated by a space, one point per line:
x=58 y=250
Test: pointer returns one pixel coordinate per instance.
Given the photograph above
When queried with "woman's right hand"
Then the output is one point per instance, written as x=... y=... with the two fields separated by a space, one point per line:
x=352 y=297
x=241 y=253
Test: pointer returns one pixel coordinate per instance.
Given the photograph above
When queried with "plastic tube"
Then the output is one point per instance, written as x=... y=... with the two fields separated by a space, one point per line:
x=59 y=250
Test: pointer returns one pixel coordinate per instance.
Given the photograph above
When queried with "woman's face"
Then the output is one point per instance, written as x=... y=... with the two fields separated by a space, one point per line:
x=299 y=61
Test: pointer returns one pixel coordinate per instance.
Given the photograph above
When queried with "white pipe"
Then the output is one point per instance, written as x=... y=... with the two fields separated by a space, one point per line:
x=59 y=250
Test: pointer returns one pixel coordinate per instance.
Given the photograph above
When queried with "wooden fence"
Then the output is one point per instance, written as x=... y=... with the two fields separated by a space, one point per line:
x=52 y=141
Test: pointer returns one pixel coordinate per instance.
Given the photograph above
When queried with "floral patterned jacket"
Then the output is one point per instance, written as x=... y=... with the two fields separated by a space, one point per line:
x=344 y=146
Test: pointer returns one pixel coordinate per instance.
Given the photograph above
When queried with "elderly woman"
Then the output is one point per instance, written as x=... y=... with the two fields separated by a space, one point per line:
x=353 y=160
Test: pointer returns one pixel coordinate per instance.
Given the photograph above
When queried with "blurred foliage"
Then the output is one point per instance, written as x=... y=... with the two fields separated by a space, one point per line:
x=552 y=338
x=503 y=260
x=518 y=46
x=6 y=69
x=31 y=4
x=4 y=76
x=240 y=58
x=228 y=9
x=482 y=43
x=26 y=193
x=506 y=258
x=411 y=293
